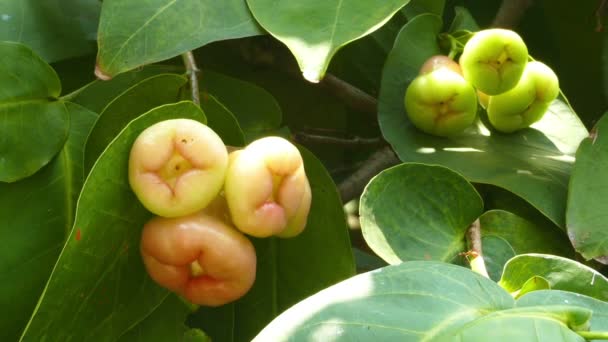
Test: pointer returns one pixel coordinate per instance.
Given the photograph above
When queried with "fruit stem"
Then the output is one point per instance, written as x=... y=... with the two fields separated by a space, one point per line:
x=474 y=255
x=192 y=71
x=593 y=335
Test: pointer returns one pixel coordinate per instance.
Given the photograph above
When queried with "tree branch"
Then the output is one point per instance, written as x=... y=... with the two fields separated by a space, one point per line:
x=353 y=186
x=192 y=70
x=350 y=95
x=475 y=254
x=306 y=138
x=510 y=13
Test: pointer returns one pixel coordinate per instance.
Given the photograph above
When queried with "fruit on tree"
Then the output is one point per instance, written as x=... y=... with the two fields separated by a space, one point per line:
x=493 y=60
x=199 y=257
x=177 y=167
x=267 y=190
x=440 y=101
x=527 y=102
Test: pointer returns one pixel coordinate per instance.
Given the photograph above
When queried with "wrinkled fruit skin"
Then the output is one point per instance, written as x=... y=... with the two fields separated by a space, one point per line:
x=441 y=102
x=177 y=167
x=526 y=103
x=267 y=190
x=199 y=257
x=493 y=60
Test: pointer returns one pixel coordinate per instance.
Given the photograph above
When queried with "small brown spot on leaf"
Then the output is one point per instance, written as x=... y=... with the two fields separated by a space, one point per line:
x=78 y=235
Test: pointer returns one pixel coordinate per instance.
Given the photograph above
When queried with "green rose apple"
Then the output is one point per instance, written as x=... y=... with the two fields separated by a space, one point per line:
x=526 y=103
x=441 y=102
x=493 y=60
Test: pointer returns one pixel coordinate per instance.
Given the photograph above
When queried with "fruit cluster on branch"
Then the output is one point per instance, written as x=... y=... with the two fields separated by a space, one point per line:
x=493 y=70
x=206 y=199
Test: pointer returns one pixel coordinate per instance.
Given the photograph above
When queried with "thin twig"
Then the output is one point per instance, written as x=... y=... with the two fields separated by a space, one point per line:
x=355 y=142
x=510 y=13
x=353 y=186
x=192 y=70
x=475 y=249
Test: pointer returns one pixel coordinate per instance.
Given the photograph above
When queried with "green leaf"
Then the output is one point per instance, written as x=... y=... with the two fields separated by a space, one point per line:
x=418 y=212
x=533 y=163
x=97 y=94
x=417 y=7
x=412 y=301
x=496 y=252
x=599 y=319
x=254 y=107
x=33 y=236
x=562 y=274
x=524 y=324
x=55 y=29
x=315 y=30
x=99 y=288
x=586 y=211
x=522 y=237
x=33 y=123
x=535 y=283
x=137 y=33
x=322 y=251
x=166 y=323
x=222 y=121
x=143 y=96
x=463 y=20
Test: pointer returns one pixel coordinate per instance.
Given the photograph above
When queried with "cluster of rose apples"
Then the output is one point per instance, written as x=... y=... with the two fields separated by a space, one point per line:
x=494 y=70
x=206 y=198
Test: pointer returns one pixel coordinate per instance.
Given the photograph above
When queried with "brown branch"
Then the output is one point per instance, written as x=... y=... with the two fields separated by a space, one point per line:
x=350 y=95
x=475 y=252
x=306 y=138
x=510 y=13
x=353 y=186
x=192 y=70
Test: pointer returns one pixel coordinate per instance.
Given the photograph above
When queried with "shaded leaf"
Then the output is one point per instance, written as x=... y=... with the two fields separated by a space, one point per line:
x=522 y=237
x=315 y=30
x=562 y=274
x=535 y=283
x=143 y=96
x=412 y=301
x=417 y=7
x=33 y=237
x=496 y=252
x=418 y=212
x=97 y=94
x=463 y=20
x=99 y=286
x=33 y=123
x=222 y=121
x=532 y=164
x=586 y=215
x=254 y=107
x=132 y=34
x=54 y=29
x=289 y=270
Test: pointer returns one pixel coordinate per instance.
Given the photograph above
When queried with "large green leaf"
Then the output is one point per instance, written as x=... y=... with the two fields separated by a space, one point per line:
x=55 y=29
x=533 y=163
x=33 y=235
x=587 y=207
x=99 y=288
x=289 y=270
x=418 y=212
x=33 y=123
x=562 y=274
x=413 y=301
x=134 y=33
x=315 y=30
x=143 y=96
x=522 y=236
x=222 y=121
x=599 y=319
x=166 y=323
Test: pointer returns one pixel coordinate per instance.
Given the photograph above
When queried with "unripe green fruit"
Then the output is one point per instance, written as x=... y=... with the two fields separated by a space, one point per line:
x=493 y=60
x=439 y=62
x=441 y=102
x=526 y=103
x=177 y=167
x=267 y=190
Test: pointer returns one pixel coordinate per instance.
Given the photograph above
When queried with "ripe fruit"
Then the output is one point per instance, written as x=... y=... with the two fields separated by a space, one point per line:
x=177 y=167
x=199 y=257
x=440 y=101
x=526 y=103
x=267 y=190
x=493 y=60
